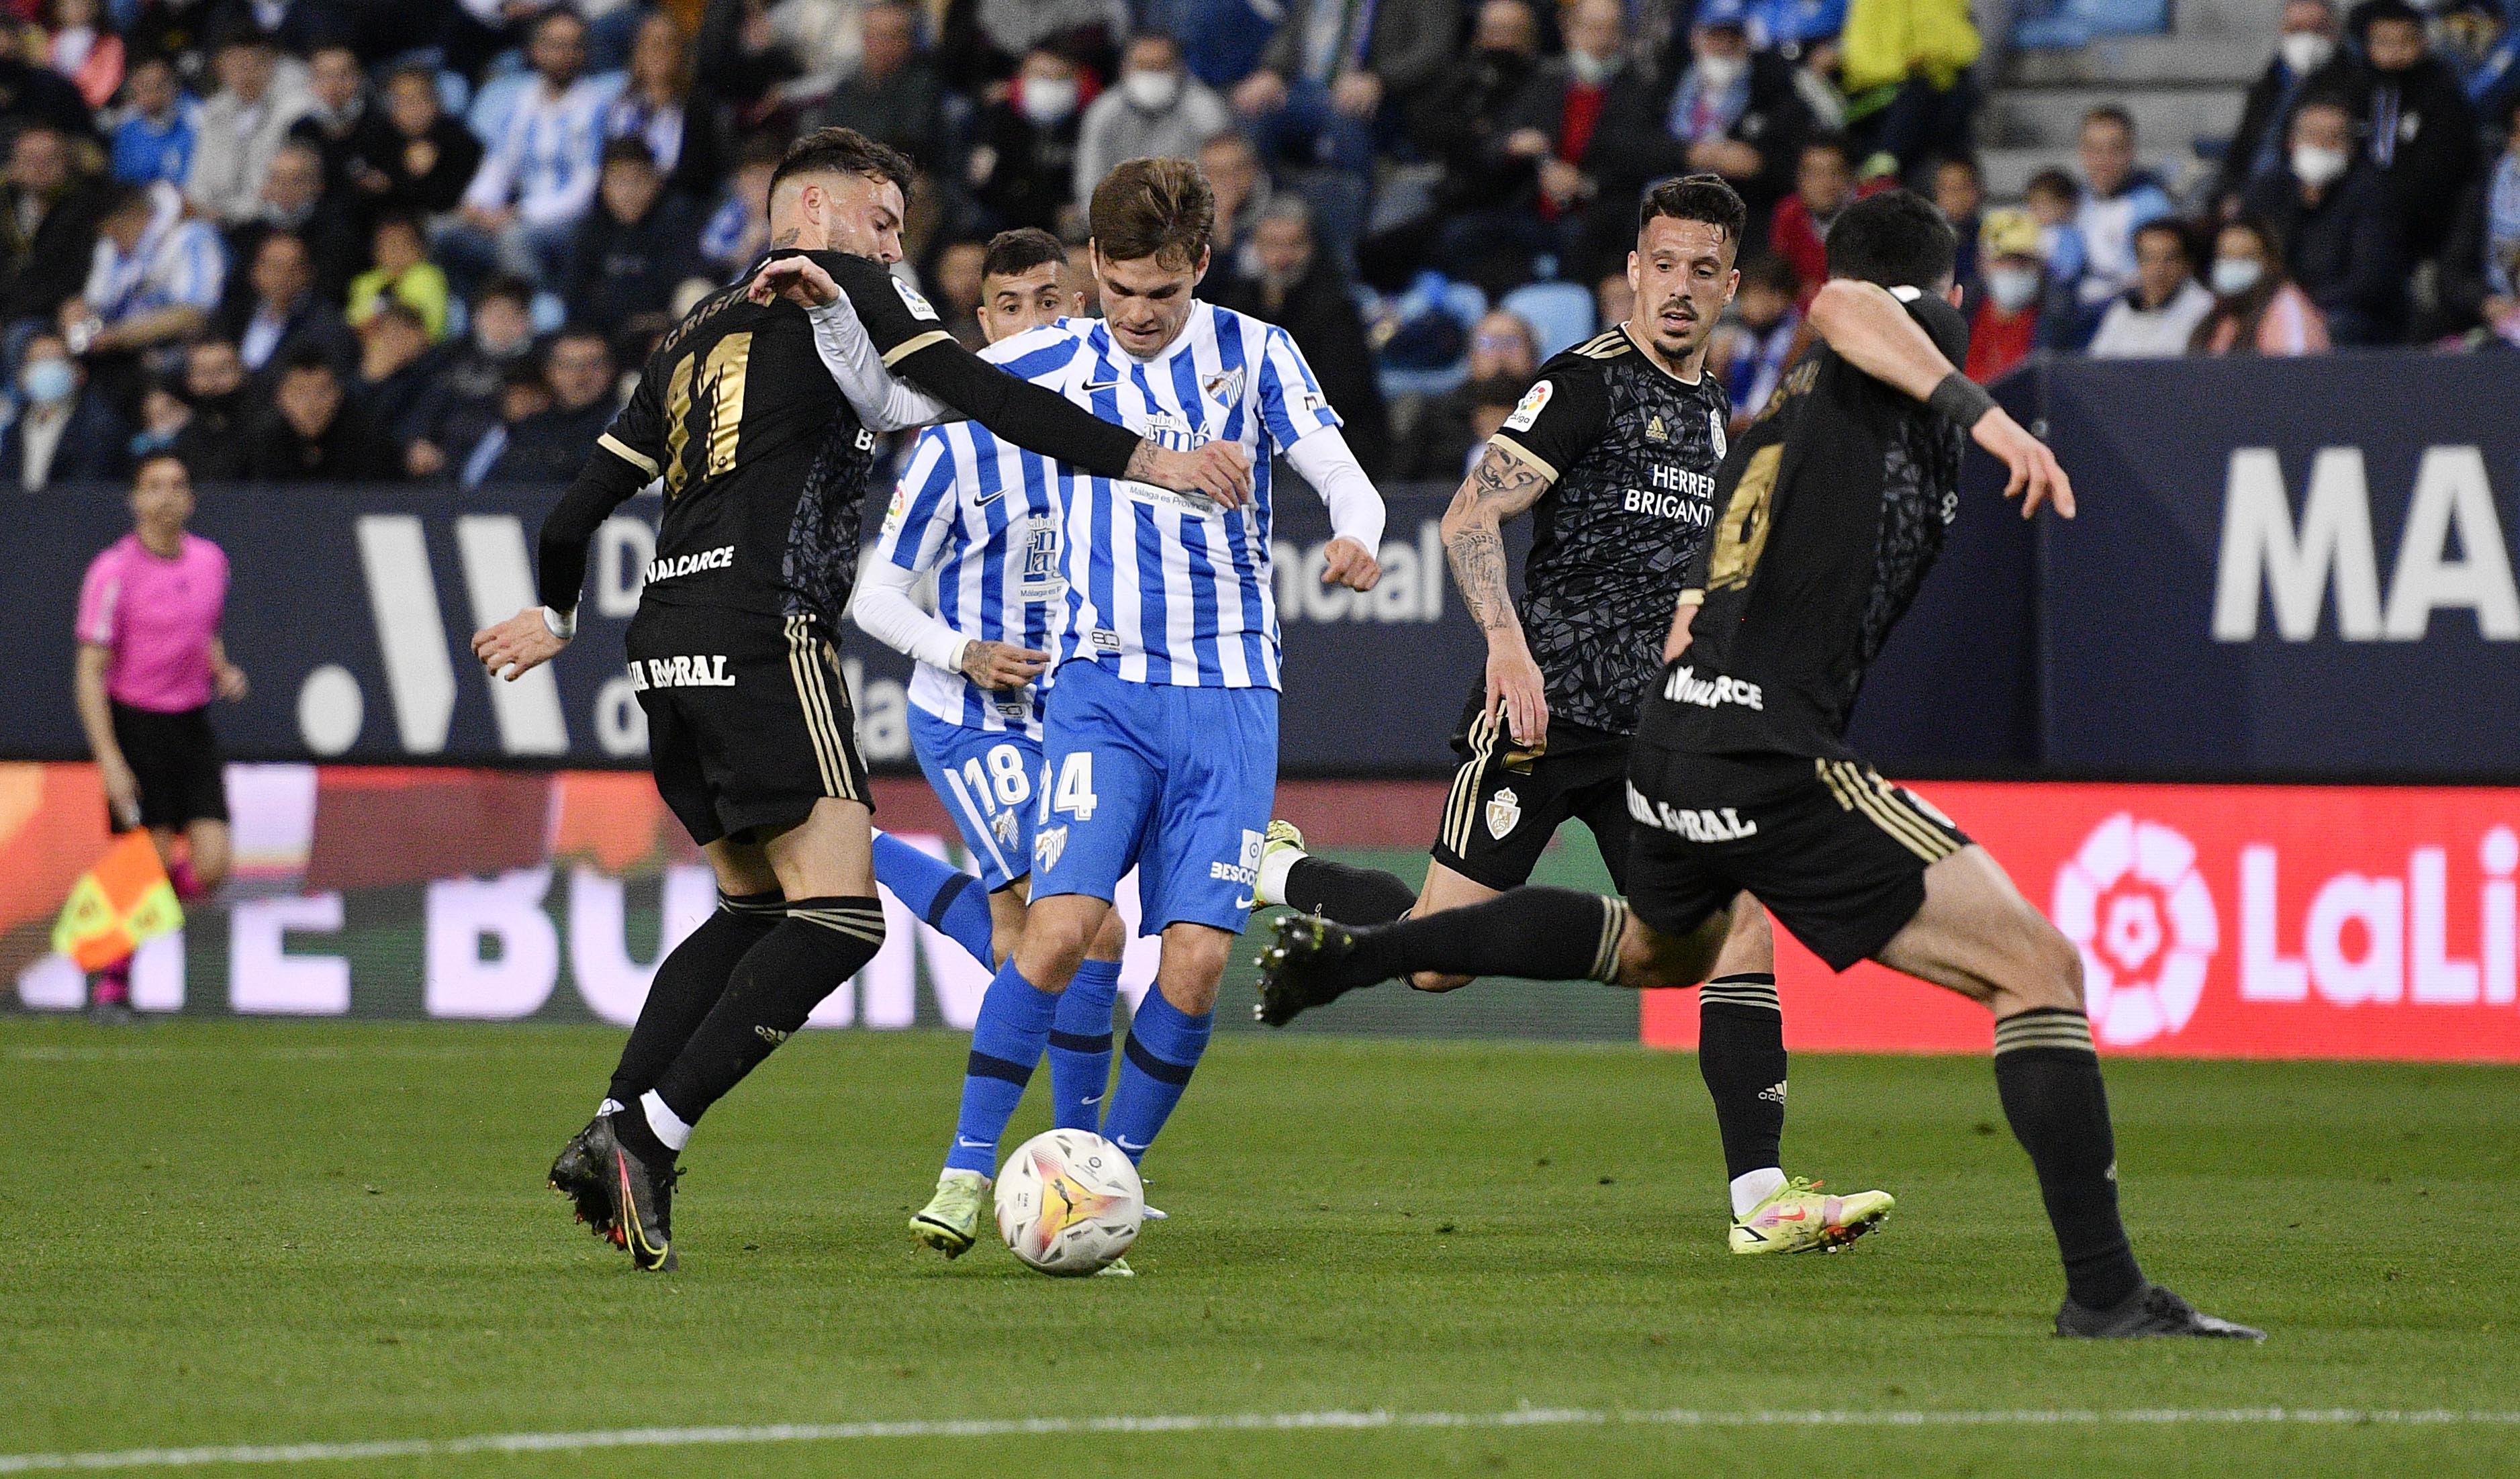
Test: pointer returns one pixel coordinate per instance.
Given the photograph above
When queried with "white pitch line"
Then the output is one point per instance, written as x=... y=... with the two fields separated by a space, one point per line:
x=1231 y=1422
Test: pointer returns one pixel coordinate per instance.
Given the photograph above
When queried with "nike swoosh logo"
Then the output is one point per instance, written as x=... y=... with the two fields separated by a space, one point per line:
x=1796 y=1215
x=1092 y=386
x=972 y=1145
x=1242 y=903
x=1127 y=1143
x=1096 y=1099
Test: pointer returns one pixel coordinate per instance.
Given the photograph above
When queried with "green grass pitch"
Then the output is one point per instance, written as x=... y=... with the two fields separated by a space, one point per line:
x=256 y=1232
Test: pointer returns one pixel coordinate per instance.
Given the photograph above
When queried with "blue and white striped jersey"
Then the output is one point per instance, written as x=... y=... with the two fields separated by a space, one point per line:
x=984 y=513
x=1165 y=586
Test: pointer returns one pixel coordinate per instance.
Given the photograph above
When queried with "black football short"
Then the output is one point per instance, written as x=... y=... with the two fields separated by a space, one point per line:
x=1508 y=801
x=748 y=718
x=175 y=757
x=1836 y=853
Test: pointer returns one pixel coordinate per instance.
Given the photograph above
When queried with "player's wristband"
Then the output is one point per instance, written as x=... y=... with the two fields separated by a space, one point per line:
x=561 y=624
x=1960 y=398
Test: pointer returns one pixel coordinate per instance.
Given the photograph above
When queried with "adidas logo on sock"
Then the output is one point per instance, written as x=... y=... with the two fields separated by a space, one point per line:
x=771 y=1035
x=1774 y=1094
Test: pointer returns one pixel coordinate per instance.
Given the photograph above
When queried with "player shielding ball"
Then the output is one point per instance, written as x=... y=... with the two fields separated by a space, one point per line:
x=1613 y=453
x=983 y=515
x=758 y=415
x=1834 y=504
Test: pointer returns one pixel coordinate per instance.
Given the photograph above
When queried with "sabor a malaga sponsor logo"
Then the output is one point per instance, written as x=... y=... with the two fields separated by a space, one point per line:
x=1686 y=686
x=2134 y=901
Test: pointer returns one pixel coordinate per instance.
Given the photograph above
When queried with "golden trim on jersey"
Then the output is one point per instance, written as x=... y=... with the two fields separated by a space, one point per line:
x=1461 y=806
x=910 y=346
x=808 y=669
x=1858 y=788
x=625 y=451
x=1504 y=443
x=1609 y=343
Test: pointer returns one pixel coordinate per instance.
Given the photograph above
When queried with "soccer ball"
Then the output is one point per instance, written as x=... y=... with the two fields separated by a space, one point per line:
x=1069 y=1202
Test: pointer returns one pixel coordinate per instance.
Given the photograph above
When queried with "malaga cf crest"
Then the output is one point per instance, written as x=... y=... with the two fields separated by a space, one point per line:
x=1504 y=809
x=1047 y=844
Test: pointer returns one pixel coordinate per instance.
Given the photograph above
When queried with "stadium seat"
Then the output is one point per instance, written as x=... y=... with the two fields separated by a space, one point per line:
x=1561 y=314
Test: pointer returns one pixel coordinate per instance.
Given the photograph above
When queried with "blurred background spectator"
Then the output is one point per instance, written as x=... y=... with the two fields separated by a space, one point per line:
x=2255 y=309
x=2344 y=242
x=62 y=431
x=2158 y=316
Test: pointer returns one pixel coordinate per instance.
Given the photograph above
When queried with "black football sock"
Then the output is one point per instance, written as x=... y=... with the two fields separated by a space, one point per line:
x=1347 y=893
x=821 y=943
x=2049 y=1080
x=687 y=983
x=1741 y=1054
x=1545 y=934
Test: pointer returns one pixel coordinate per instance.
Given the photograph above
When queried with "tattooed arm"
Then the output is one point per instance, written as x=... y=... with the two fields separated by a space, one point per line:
x=1502 y=486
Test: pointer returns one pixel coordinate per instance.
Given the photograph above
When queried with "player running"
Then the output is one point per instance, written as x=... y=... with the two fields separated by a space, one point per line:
x=765 y=460
x=1161 y=747
x=1613 y=452
x=1834 y=504
x=983 y=514
x=150 y=660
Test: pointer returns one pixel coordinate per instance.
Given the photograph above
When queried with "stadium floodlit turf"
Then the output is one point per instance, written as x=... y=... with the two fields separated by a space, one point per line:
x=224 y=1234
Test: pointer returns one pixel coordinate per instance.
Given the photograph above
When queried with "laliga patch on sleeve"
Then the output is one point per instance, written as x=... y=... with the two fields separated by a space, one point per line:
x=919 y=306
x=1529 y=410
x=893 y=510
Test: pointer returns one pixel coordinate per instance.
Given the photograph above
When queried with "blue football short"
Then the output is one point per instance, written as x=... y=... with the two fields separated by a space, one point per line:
x=1172 y=781
x=986 y=778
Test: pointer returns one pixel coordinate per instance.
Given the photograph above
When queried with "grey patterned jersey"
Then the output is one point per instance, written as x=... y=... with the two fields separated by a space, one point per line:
x=1631 y=452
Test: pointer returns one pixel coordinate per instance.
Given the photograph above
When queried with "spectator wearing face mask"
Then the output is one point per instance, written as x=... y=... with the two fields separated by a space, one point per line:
x=2256 y=310
x=261 y=96
x=62 y=431
x=212 y=441
x=2005 y=328
x=2411 y=116
x=1734 y=113
x=2156 y=317
x=2305 y=42
x=1023 y=156
x=409 y=154
x=1156 y=111
x=159 y=127
x=463 y=405
x=313 y=432
x=2480 y=275
x=893 y=94
x=2344 y=242
x=83 y=48
x=1488 y=195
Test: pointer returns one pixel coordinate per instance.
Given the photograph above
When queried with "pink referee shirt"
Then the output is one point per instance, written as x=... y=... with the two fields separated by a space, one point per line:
x=159 y=617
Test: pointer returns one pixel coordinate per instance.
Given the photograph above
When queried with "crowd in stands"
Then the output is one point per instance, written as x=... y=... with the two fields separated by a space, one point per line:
x=429 y=240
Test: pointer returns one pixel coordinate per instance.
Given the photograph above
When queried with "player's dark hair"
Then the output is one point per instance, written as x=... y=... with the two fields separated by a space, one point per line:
x=2174 y=229
x=2053 y=181
x=1695 y=198
x=309 y=357
x=2110 y=113
x=1963 y=161
x=122 y=197
x=1896 y=239
x=1020 y=251
x=505 y=284
x=1159 y=208
x=842 y=151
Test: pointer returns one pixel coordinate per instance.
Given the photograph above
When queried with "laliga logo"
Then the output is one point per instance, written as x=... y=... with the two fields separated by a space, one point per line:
x=2134 y=904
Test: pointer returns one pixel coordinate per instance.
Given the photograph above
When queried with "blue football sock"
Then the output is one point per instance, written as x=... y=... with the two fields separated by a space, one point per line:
x=1164 y=1045
x=1005 y=1042
x=938 y=892
x=1080 y=1046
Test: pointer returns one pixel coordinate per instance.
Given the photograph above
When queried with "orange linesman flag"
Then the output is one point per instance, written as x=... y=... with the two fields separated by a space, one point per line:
x=117 y=906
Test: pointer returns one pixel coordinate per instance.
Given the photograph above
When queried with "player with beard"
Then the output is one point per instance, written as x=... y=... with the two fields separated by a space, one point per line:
x=1613 y=453
x=1834 y=503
